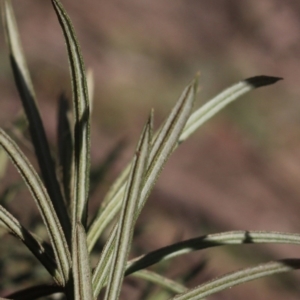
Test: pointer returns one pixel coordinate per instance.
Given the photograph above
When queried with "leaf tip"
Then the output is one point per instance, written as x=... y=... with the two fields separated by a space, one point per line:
x=262 y=80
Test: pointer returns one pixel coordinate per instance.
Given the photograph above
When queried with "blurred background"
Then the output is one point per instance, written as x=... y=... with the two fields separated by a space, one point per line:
x=239 y=171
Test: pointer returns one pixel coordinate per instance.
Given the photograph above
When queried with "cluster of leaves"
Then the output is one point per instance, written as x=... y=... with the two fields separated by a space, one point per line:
x=63 y=207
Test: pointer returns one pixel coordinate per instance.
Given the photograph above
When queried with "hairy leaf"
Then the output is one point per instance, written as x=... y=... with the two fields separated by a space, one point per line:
x=37 y=131
x=238 y=277
x=82 y=116
x=127 y=218
x=43 y=203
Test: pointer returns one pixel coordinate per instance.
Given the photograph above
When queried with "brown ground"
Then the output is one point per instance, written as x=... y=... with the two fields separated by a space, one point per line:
x=241 y=171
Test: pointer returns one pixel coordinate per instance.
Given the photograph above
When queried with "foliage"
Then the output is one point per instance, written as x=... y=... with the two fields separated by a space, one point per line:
x=63 y=207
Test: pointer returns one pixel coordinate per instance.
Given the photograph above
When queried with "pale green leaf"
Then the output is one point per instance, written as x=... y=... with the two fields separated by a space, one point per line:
x=90 y=79
x=208 y=241
x=32 y=243
x=178 y=117
x=161 y=150
x=127 y=218
x=238 y=277
x=212 y=107
x=3 y=163
x=43 y=203
x=162 y=281
x=81 y=266
x=38 y=135
x=108 y=209
x=82 y=116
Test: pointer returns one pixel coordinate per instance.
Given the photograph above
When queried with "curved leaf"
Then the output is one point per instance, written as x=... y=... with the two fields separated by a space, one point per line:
x=212 y=107
x=161 y=281
x=111 y=203
x=37 y=131
x=178 y=117
x=35 y=246
x=208 y=241
x=160 y=151
x=82 y=116
x=43 y=203
x=238 y=277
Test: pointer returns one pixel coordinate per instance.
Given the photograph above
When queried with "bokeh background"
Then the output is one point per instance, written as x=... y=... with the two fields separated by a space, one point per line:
x=240 y=171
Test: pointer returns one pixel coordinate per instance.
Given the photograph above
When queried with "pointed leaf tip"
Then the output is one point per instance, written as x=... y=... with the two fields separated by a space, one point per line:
x=263 y=80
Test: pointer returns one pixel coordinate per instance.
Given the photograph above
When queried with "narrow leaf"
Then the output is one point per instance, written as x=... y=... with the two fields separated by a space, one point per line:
x=127 y=217
x=90 y=79
x=229 y=280
x=108 y=210
x=111 y=203
x=161 y=150
x=161 y=281
x=15 y=45
x=208 y=241
x=43 y=203
x=35 y=246
x=212 y=107
x=178 y=117
x=81 y=266
x=3 y=163
x=38 y=135
x=82 y=116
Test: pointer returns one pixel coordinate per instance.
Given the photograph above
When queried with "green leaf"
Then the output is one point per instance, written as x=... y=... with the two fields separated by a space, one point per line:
x=231 y=279
x=127 y=218
x=38 y=136
x=162 y=281
x=3 y=163
x=90 y=79
x=161 y=150
x=208 y=241
x=107 y=209
x=43 y=203
x=82 y=116
x=111 y=203
x=15 y=45
x=176 y=121
x=32 y=243
x=212 y=107
x=81 y=266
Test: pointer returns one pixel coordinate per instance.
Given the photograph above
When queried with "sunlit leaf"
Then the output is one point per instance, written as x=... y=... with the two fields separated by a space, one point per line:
x=82 y=116
x=212 y=107
x=176 y=122
x=208 y=241
x=81 y=266
x=38 y=135
x=42 y=201
x=238 y=277
x=35 y=246
x=127 y=218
